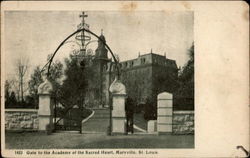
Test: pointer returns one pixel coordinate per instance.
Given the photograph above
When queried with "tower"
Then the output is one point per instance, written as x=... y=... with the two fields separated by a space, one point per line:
x=101 y=52
x=100 y=64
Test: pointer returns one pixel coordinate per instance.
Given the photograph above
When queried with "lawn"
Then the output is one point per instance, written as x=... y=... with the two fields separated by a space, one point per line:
x=72 y=118
x=36 y=140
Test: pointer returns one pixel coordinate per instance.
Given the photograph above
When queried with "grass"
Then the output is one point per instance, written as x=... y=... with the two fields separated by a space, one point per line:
x=72 y=118
x=37 y=140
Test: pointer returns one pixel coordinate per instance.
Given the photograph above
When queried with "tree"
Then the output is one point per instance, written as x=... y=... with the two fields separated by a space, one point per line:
x=7 y=87
x=150 y=110
x=185 y=93
x=56 y=72
x=187 y=73
x=21 y=67
x=12 y=100
x=74 y=86
x=34 y=82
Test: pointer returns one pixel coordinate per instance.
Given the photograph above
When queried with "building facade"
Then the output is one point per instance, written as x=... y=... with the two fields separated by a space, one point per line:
x=144 y=77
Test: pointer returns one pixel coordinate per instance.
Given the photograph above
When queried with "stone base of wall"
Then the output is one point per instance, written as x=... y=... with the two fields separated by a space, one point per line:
x=183 y=122
x=21 y=119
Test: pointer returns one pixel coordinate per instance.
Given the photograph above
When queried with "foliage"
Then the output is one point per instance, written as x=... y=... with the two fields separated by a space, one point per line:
x=74 y=86
x=169 y=79
x=56 y=72
x=150 y=110
x=187 y=73
x=34 y=82
x=184 y=96
x=11 y=101
x=7 y=87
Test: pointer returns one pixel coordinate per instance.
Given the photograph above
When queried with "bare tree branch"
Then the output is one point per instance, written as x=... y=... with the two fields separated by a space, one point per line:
x=21 y=67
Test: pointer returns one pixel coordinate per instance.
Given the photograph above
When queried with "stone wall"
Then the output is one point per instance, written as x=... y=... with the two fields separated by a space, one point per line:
x=183 y=122
x=21 y=119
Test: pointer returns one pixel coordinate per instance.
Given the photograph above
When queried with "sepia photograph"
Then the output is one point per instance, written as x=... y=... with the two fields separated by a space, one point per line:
x=100 y=79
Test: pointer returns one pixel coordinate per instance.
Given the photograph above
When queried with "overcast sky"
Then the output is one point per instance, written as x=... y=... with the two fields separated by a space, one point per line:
x=35 y=34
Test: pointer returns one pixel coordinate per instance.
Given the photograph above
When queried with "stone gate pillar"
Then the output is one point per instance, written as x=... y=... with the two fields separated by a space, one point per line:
x=119 y=95
x=164 y=113
x=45 y=111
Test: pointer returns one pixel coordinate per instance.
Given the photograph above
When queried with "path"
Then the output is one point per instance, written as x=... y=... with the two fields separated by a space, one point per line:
x=98 y=123
x=38 y=140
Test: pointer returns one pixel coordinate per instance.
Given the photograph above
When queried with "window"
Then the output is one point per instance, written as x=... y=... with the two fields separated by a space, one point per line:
x=143 y=60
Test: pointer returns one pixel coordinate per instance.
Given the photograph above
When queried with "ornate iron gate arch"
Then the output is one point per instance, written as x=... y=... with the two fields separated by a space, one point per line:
x=48 y=65
x=74 y=33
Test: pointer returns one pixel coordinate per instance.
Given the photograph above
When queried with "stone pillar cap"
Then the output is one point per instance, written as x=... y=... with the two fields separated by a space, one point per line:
x=117 y=87
x=46 y=87
x=165 y=95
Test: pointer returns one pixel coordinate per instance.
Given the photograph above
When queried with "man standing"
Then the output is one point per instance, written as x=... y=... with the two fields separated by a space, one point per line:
x=129 y=108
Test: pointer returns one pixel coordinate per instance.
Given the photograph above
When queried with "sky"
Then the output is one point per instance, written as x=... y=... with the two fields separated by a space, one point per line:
x=35 y=34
